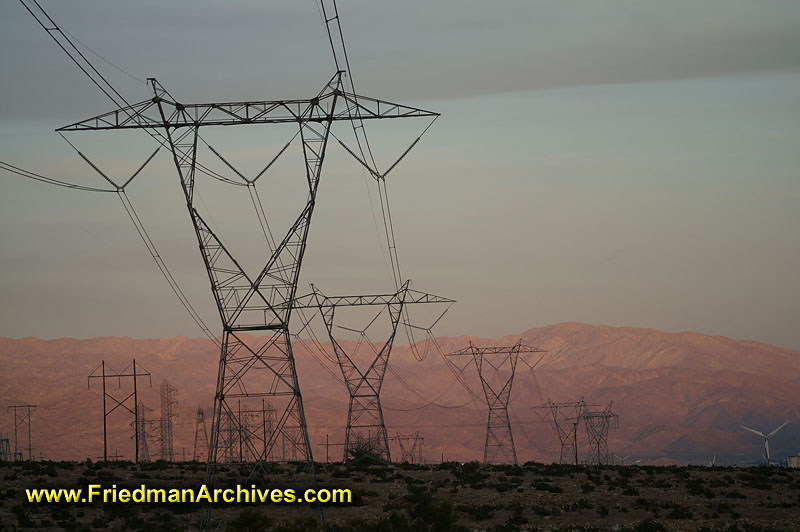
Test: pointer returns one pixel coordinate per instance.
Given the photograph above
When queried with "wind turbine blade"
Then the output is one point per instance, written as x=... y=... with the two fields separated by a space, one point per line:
x=779 y=428
x=753 y=431
x=766 y=449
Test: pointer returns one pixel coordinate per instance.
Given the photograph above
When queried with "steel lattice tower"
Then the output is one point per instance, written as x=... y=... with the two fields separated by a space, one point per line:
x=597 y=425
x=366 y=436
x=410 y=447
x=496 y=384
x=142 y=434
x=168 y=403
x=567 y=417
x=200 y=422
x=260 y=303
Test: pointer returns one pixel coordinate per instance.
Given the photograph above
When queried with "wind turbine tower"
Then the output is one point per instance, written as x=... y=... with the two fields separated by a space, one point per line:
x=766 y=438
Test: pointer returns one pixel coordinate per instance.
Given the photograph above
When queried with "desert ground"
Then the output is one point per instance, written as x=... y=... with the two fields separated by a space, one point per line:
x=405 y=497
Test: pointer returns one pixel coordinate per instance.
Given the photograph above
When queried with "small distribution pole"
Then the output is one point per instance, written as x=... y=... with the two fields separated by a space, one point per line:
x=24 y=418
x=124 y=403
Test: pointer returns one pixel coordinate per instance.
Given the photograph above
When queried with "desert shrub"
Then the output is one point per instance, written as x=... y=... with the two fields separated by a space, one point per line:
x=22 y=515
x=649 y=525
x=249 y=520
x=544 y=486
x=297 y=525
x=679 y=512
x=479 y=512
x=429 y=514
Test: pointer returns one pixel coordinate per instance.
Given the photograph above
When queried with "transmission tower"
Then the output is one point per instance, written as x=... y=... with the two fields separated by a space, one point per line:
x=365 y=436
x=5 y=450
x=142 y=432
x=566 y=418
x=19 y=419
x=597 y=425
x=410 y=447
x=200 y=422
x=169 y=400
x=496 y=383
x=125 y=403
x=262 y=303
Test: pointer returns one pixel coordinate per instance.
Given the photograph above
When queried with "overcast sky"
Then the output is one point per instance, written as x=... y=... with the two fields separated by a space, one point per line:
x=612 y=162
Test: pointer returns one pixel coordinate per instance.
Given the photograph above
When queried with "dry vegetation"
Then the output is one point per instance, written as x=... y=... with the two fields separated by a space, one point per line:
x=443 y=497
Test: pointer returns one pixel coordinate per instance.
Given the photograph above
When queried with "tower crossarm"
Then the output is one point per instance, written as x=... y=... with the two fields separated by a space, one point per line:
x=146 y=114
x=317 y=300
x=480 y=351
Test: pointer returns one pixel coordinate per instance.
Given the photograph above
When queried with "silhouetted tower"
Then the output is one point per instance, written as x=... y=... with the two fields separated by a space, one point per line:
x=365 y=436
x=169 y=400
x=22 y=415
x=496 y=367
x=129 y=403
x=410 y=447
x=200 y=423
x=566 y=418
x=597 y=425
x=261 y=302
x=5 y=449
x=143 y=432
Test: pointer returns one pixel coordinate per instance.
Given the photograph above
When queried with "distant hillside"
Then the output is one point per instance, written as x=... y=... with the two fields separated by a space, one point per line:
x=679 y=396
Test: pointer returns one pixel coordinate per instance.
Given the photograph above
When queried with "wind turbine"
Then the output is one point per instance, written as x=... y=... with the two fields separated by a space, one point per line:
x=713 y=461
x=622 y=458
x=766 y=438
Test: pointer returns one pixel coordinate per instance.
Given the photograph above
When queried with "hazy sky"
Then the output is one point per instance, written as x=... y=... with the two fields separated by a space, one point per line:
x=613 y=162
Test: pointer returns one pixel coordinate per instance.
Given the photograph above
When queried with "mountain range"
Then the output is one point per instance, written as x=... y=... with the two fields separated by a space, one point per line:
x=679 y=397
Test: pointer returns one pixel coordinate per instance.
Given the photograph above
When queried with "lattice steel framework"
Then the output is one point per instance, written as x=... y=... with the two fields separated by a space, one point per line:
x=169 y=400
x=200 y=424
x=5 y=450
x=250 y=370
x=597 y=424
x=566 y=418
x=142 y=432
x=496 y=384
x=410 y=447
x=366 y=436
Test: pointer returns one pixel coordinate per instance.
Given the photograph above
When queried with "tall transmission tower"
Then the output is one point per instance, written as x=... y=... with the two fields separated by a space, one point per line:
x=169 y=400
x=142 y=432
x=566 y=418
x=200 y=423
x=130 y=402
x=5 y=450
x=410 y=447
x=496 y=367
x=262 y=303
x=24 y=417
x=597 y=424
x=366 y=436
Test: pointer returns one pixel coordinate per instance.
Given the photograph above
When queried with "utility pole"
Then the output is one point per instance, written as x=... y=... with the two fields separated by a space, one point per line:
x=19 y=420
x=328 y=446
x=496 y=383
x=129 y=372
